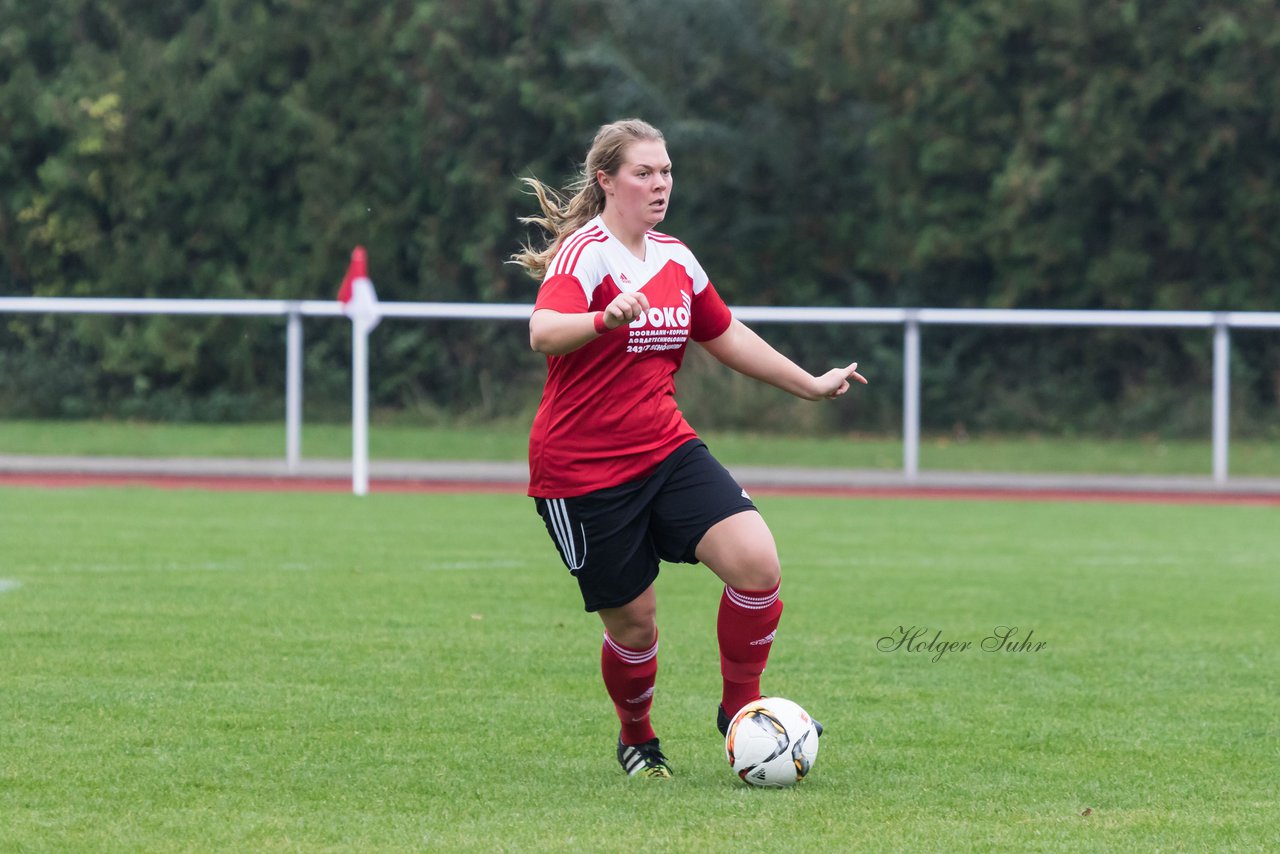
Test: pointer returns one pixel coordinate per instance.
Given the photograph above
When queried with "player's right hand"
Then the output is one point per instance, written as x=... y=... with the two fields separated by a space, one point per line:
x=624 y=309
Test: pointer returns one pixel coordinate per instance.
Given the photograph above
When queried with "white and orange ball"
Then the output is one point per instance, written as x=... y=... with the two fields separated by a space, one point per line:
x=771 y=742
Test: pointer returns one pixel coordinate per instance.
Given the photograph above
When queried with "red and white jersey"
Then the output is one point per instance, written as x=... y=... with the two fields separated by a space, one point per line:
x=608 y=413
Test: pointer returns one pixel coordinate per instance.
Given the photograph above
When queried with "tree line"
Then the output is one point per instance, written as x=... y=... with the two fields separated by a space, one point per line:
x=996 y=153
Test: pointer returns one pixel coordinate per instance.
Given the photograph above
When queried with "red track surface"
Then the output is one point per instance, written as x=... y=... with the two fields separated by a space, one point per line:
x=294 y=484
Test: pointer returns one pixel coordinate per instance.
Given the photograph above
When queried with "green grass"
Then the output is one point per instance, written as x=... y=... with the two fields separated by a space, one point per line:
x=191 y=671
x=510 y=441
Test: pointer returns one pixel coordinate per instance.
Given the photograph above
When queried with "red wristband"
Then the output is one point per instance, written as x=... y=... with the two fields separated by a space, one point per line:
x=601 y=328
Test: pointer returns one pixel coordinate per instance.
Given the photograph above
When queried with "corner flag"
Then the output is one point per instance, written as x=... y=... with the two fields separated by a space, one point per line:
x=360 y=303
x=358 y=298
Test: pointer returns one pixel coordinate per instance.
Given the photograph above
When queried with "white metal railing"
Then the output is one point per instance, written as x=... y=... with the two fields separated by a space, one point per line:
x=911 y=319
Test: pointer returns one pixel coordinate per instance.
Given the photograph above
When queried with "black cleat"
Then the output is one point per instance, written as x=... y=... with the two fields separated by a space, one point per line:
x=722 y=722
x=643 y=760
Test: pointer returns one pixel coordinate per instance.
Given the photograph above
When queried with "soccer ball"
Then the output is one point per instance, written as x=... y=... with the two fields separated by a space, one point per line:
x=771 y=742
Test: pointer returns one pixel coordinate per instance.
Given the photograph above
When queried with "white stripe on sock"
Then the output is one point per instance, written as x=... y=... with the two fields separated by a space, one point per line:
x=752 y=603
x=631 y=656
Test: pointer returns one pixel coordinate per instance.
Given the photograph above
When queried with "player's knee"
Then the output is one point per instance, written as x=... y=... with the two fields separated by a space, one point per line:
x=757 y=570
x=635 y=635
x=768 y=571
x=634 y=625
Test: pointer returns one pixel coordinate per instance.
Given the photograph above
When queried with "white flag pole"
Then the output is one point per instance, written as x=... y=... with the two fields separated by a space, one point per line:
x=360 y=303
x=359 y=406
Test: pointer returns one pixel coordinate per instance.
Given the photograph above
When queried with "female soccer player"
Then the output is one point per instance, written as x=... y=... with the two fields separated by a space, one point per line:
x=619 y=477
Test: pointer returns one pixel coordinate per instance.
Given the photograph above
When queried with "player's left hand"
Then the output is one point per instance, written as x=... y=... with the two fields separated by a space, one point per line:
x=835 y=382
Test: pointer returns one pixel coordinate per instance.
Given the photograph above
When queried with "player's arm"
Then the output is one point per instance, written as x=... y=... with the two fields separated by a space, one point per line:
x=747 y=353
x=554 y=333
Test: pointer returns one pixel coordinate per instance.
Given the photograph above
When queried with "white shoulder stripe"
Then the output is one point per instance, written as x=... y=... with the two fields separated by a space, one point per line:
x=571 y=250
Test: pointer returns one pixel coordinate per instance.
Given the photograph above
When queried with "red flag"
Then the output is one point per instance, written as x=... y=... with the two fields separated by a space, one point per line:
x=358 y=298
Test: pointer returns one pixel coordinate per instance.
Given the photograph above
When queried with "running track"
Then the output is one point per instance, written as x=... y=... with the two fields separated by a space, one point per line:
x=238 y=483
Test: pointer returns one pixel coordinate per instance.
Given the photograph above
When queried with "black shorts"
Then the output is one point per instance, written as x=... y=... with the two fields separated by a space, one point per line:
x=612 y=539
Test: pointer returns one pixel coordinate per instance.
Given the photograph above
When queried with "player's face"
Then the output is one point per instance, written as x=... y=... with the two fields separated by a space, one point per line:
x=641 y=190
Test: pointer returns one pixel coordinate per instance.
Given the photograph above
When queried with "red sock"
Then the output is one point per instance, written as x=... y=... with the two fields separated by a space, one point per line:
x=629 y=675
x=745 y=629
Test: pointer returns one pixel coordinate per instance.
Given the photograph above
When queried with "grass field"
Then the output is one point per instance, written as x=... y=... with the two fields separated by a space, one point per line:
x=395 y=441
x=189 y=671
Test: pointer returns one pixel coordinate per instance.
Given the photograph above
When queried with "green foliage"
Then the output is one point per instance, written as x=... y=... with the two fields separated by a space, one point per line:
x=1091 y=153
x=1072 y=155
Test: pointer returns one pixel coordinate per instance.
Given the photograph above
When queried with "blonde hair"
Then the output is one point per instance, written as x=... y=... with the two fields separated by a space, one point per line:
x=562 y=215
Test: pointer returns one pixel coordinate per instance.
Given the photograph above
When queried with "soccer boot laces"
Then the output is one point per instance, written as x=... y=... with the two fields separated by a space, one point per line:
x=643 y=760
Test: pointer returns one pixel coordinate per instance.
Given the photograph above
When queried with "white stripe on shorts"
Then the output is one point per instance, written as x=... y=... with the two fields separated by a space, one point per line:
x=559 y=515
